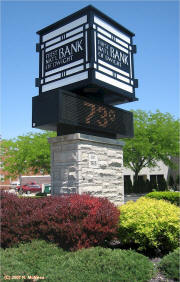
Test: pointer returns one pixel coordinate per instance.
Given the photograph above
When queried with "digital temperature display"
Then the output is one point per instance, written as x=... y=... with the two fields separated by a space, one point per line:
x=95 y=116
x=67 y=113
x=106 y=115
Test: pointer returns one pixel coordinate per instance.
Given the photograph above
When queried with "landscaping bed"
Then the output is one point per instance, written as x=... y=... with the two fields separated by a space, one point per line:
x=79 y=238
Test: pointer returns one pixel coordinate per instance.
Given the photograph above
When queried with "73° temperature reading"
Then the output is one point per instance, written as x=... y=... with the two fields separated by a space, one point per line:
x=104 y=115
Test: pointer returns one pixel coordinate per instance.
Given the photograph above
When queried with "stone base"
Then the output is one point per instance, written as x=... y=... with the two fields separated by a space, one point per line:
x=87 y=164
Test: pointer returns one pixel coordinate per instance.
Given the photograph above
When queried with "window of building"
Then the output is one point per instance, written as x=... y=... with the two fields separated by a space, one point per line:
x=158 y=178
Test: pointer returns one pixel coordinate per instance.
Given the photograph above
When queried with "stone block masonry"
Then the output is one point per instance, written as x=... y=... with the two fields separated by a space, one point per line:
x=87 y=164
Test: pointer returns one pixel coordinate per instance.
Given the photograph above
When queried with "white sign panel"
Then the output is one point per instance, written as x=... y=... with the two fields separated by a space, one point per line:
x=93 y=161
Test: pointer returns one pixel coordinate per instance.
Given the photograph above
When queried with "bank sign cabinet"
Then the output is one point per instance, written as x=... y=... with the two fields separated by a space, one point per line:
x=85 y=68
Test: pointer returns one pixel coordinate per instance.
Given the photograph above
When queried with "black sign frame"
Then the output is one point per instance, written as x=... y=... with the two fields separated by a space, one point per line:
x=90 y=77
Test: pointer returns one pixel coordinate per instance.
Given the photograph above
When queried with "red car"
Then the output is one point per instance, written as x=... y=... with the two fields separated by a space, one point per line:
x=30 y=187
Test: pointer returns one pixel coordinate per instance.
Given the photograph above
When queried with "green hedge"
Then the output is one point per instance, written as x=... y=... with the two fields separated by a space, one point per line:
x=43 y=259
x=149 y=225
x=41 y=194
x=169 y=265
x=173 y=197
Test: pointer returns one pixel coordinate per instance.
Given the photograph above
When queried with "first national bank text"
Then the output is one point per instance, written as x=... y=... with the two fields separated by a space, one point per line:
x=64 y=55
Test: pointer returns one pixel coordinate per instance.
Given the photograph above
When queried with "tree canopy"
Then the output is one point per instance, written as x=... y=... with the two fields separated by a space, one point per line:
x=156 y=138
x=26 y=153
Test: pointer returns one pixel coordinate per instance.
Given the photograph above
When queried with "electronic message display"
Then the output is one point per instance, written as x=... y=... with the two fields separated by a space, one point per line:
x=88 y=52
x=70 y=113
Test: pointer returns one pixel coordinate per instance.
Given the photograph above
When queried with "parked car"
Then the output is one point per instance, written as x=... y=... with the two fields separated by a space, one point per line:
x=30 y=187
x=14 y=184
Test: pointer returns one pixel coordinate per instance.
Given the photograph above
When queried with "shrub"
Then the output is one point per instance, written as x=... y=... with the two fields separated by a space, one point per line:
x=148 y=186
x=15 y=219
x=139 y=185
x=72 y=221
x=169 y=265
x=144 y=186
x=172 y=197
x=171 y=181
x=29 y=258
x=98 y=264
x=127 y=185
x=177 y=180
x=93 y=264
x=162 y=184
x=153 y=183
x=150 y=225
x=41 y=194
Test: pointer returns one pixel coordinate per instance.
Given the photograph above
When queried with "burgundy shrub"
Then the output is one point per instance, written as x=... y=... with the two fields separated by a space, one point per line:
x=73 y=221
x=16 y=219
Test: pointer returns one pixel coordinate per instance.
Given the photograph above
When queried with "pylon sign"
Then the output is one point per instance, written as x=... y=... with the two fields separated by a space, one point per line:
x=89 y=54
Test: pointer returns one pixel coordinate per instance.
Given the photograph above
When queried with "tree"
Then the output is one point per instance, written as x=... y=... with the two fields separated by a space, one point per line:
x=156 y=138
x=26 y=153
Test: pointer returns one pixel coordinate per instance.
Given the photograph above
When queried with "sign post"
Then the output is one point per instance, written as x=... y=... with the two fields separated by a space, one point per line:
x=86 y=67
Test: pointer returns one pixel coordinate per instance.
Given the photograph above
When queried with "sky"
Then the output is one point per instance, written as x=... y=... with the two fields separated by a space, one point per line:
x=156 y=64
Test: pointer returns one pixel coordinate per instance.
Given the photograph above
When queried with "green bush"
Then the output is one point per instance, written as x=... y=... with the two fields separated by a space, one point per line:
x=162 y=184
x=169 y=265
x=149 y=225
x=148 y=187
x=177 y=180
x=98 y=264
x=127 y=185
x=139 y=185
x=42 y=194
x=172 y=197
x=94 y=264
x=153 y=184
x=29 y=259
x=171 y=181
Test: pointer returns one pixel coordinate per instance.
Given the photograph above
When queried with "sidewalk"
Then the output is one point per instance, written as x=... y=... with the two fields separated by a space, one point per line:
x=132 y=197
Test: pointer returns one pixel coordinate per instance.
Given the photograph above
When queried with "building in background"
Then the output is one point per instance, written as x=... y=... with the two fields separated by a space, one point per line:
x=161 y=170
x=155 y=173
